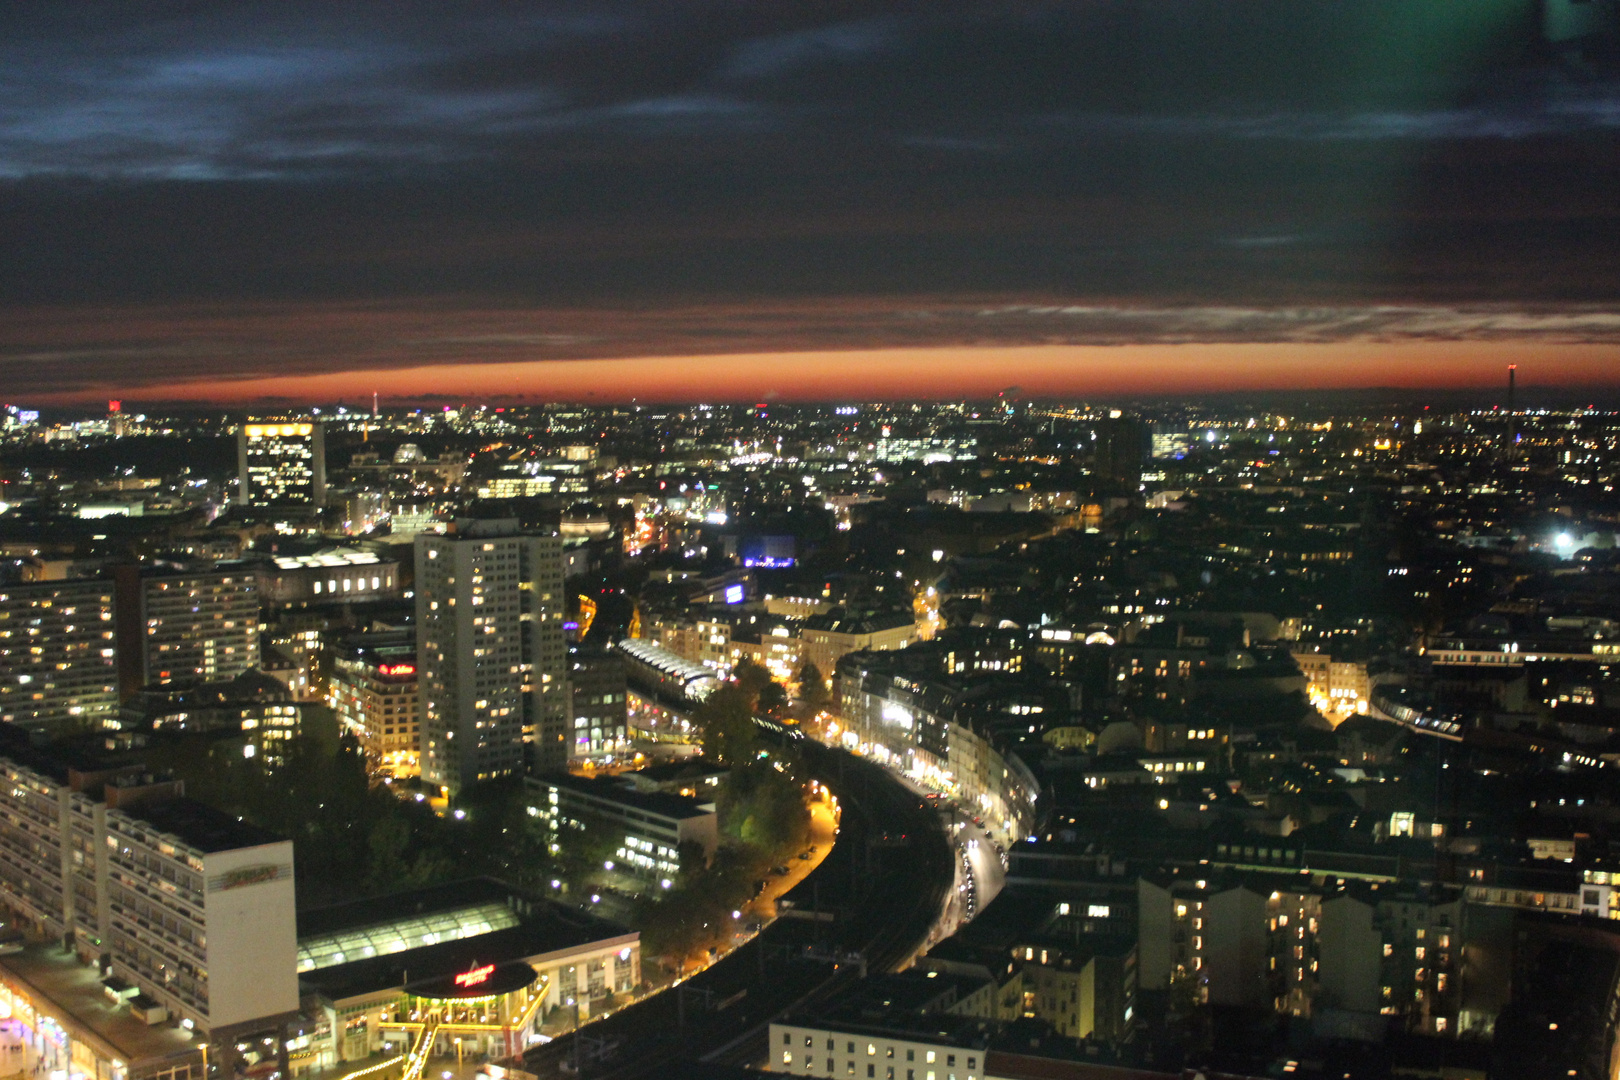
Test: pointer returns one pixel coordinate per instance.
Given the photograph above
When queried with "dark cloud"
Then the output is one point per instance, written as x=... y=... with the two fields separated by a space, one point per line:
x=1138 y=153
x=301 y=90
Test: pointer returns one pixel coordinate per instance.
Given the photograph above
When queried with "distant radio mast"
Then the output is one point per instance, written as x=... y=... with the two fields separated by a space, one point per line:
x=1512 y=422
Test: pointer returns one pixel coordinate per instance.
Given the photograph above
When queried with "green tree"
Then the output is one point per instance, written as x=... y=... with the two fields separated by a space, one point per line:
x=751 y=678
x=765 y=809
x=813 y=687
x=772 y=699
x=726 y=727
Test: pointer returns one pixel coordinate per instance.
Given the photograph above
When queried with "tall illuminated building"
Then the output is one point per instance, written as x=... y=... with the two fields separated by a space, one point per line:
x=280 y=462
x=492 y=661
x=373 y=690
x=58 y=663
x=185 y=627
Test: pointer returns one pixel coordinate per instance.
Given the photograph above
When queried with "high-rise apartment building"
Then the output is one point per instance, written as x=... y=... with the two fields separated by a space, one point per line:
x=183 y=907
x=58 y=664
x=492 y=661
x=183 y=627
x=280 y=462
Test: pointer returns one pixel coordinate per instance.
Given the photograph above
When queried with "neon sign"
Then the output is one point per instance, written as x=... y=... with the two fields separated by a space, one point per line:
x=397 y=669
x=475 y=976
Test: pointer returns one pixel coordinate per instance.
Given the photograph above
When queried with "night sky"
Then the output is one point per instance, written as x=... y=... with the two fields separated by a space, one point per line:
x=230 y=201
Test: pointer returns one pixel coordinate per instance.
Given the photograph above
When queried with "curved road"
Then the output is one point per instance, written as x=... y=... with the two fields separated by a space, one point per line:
x=880 y=892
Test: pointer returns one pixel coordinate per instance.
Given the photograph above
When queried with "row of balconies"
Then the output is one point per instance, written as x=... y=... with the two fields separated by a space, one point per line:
x=153 y=884
x=188 y=910
x=143 y=935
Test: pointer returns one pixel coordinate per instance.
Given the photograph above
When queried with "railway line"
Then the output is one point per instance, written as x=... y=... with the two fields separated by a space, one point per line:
x=869 y=906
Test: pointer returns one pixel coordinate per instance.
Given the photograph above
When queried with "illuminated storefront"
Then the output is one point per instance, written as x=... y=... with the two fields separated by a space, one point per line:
x=488 y=1009
x=41 y=1037
x=481 y=966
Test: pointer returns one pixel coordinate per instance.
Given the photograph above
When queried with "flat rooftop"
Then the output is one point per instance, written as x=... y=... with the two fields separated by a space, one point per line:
x=614 y=790
x=377 y=911
x=72 y=994
x=203 y=827
x=327 y=557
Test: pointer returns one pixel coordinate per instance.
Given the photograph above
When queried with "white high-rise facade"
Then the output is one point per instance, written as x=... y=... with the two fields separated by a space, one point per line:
x=492 y=661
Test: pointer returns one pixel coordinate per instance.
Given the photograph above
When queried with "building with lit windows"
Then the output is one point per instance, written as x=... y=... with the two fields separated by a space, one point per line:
x=254 y=711
x=909 y=1048
x=332 y=575
x=598 y=708
x=929 y=729
x=373 y=690
x=177 y=913
x=280 y=462
x=58 y=661
x=492 y=658
x=483 y=962
x=654 y=824
x=1335 y=682
x=827 y=639
x=1357 y=957
x=183 y=627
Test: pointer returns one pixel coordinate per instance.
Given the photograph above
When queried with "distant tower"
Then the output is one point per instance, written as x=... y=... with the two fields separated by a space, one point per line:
x=1513 y=425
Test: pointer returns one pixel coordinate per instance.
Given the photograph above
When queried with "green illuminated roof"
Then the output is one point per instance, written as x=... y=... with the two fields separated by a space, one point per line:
x=409 y=932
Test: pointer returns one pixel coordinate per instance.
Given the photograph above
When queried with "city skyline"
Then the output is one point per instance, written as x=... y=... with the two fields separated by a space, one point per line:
x=915 y=539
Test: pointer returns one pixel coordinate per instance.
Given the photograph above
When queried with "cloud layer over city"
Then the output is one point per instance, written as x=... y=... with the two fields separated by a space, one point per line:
x=586 y=180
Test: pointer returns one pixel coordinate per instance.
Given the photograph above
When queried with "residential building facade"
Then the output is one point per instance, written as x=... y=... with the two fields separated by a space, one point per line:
x=374 y=691
x=491 y=655
x=58 y=659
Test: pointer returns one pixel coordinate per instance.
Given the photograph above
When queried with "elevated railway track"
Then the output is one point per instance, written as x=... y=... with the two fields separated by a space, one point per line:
x=872 y=902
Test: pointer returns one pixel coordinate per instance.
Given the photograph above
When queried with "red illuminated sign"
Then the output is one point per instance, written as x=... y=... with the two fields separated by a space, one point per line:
x=475 y=976
x=397 y=669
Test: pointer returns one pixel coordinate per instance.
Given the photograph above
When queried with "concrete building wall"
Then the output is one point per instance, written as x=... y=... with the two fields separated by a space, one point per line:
x=1351 y=951
x=252 y=933
x=802 y=1050
x=199 y=627
x=58 y=664
x=1235 y=949
x=31 y=847
x=1155 y=924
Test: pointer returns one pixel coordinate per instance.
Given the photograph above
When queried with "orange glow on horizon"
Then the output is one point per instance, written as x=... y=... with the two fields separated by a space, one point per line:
x=936 y=372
